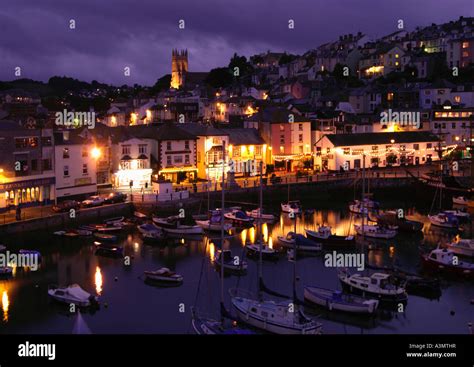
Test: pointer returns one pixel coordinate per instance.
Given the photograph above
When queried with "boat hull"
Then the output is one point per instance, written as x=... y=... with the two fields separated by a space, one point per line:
x=269 y=325
x=312 y=296
x=397 y=297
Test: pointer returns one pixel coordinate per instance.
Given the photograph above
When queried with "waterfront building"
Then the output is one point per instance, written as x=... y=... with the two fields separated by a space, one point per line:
x=75 y=164
x=336 y=152
x=26 y=166
x=287 y=134
x=246 y=150
x=453 y=125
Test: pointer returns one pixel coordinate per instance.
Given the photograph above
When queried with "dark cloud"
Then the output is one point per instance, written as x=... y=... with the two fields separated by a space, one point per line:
x=113 y=34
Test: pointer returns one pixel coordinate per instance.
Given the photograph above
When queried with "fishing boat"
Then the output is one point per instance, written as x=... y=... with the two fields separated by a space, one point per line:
x=463 y=247
x=214 y=222
x=239 y=218
x=325 y=236
x=298 y=241
x=107 y=249
x=231 y=264
x=391 y=218
x=268 y=253
x=105 y=237
x=114 y=220
x=264 y=216
x=73 y=294
x=173 y=225
x=380 y=286
x=375 y=231
x=445 y=260
x=165 y=276
x=291 y=207
x=335 y=300
x=443 y=220
x=6 y=272
x=460 y=200
x=150 y=232
x=273 y=317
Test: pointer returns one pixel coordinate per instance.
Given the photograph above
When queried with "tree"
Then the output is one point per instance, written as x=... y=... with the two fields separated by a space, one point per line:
x=161 y=84
x=240 y=62
x=286 y=59
x=219 y=78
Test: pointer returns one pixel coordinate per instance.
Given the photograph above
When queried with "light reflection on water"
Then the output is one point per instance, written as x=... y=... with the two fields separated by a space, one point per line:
x=69 y=261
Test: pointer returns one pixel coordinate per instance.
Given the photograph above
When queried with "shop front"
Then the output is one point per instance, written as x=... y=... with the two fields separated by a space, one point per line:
x=27 y=192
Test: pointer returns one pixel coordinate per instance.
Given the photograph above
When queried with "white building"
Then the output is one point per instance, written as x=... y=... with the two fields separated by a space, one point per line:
x=75 y=160
x=337 y=152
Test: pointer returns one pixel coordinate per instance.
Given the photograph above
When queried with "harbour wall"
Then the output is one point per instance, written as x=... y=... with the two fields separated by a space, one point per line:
x=64 y=220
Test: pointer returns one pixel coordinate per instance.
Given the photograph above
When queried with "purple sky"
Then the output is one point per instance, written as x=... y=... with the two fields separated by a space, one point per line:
x=113 y=34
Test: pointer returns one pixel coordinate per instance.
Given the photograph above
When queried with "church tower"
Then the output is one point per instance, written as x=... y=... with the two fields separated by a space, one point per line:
x=179 y=68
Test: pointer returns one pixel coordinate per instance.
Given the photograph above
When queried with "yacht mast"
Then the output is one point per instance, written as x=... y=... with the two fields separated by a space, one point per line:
x=222 y=225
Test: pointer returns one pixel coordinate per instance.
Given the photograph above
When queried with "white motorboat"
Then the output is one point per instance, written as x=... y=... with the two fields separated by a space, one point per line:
x=233 y=265
x=164 y=275
x=74 y=233
x=291 y=207
x=325 y=236
x=73 y=294
x=214 y=222
x=444 y=220
x=358 y=208
x=277 y=318
x=239 y=218
x=460 y=200
x=268 y=253
x=375 y=231
x=461 y=215
x=338 y=301
x=446 y=261
x=150 y=232
x=114 y=220
x=378 y=285
x=173 y=225
x=302 y=243
x=464 y=247
x=264 y=216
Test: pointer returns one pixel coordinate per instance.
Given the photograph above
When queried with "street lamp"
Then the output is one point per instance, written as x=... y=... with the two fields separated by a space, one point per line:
x=96 y=153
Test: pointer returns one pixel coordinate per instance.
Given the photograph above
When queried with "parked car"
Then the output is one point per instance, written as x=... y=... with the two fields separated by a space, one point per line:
x=95 y=200
x=66 y=206
x=115 y=197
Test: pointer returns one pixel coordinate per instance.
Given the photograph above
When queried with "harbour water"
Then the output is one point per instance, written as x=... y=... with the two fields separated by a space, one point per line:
x=129 y=305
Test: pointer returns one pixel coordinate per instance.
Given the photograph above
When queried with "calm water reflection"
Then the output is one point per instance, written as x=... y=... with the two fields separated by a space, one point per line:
x=128 y=305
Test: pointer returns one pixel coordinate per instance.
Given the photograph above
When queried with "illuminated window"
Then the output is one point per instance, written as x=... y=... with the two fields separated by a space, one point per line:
x=347 y=151
x=65 y=153
x=390 y=96
x=465 y=45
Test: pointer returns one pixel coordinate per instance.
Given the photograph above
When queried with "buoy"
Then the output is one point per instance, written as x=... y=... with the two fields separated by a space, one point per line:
x=115 y=278
x=452 y=313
